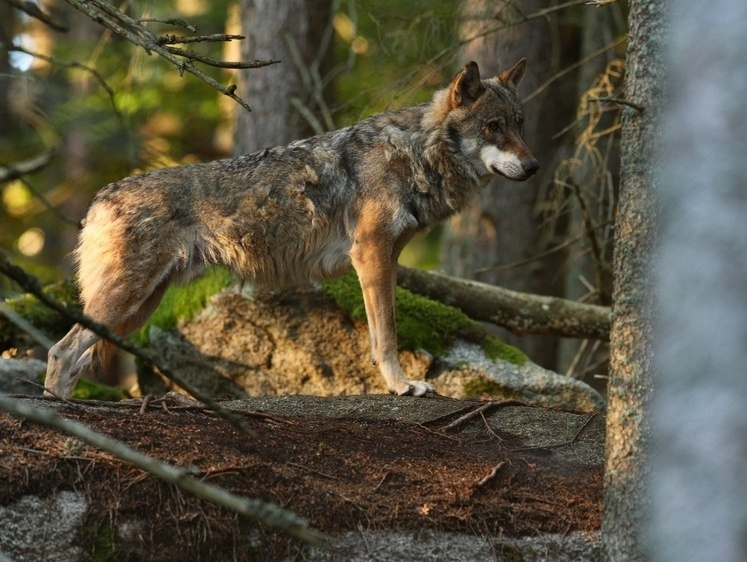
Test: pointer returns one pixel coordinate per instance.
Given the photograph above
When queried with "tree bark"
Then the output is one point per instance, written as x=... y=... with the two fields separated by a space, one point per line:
x=520 y=313
x=503 y=226
x=281 y=31
x=631 y=371
x=699 y=421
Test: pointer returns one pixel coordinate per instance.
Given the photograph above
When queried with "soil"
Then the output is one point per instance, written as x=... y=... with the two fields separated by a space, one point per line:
x=345 y=464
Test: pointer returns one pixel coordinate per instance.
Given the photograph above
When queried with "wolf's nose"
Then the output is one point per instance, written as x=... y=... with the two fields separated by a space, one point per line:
x=530 y=166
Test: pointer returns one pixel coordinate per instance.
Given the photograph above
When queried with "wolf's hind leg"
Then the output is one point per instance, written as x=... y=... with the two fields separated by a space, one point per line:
x=82 y=352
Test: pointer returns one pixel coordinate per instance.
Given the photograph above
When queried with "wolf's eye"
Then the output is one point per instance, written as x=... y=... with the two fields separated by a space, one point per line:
x=496 y=124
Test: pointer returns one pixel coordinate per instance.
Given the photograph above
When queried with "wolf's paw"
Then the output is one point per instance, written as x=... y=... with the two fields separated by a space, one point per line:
x=413 y=388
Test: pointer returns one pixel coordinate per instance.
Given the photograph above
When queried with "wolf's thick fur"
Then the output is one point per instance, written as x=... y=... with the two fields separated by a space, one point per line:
x=288 y=214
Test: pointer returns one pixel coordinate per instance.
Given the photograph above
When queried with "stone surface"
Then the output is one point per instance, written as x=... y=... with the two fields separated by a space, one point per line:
x=300 y=342
x=14 y=373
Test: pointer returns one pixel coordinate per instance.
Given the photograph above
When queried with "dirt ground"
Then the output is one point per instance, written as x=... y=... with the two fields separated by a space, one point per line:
x=345 y=464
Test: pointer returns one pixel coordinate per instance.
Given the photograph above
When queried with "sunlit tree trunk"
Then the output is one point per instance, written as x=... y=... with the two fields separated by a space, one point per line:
x=631 y=371
x=293 y=32
x=699 y=419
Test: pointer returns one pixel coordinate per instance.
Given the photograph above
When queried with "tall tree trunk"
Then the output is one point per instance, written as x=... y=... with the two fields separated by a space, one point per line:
x=699 y=421
x=503 y=226
x=630 y=384
x=282 y=31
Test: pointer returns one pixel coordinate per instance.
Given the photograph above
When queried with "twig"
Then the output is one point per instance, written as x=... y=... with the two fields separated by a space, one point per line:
x=31 y=285
x=14 y=171
x=123 y=25
x=481 y=410
x=492 y=474
x=36 y=334
x=74 y=64
x=621 y=101
x=267 y=513
x=215 y=37
x=568 y=443
x=490 y=429
x=32 y=9
x=178 y=22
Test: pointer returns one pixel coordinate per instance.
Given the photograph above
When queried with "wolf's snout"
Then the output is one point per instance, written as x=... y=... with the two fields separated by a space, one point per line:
x=530 y=166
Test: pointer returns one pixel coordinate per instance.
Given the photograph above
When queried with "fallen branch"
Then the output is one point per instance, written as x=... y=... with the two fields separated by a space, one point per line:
x=30 y=284
x=492 y=474
x=521 y=313
x=267 y=513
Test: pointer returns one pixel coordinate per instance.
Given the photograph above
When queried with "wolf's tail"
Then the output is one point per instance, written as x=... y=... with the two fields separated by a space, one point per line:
x=102 y=357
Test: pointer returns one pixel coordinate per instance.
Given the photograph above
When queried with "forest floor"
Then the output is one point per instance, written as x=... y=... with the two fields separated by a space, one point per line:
x=357 y=464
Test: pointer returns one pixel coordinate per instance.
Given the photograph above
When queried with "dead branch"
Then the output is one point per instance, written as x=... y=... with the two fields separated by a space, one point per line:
x=30 y=284
x=35 y=11
x=521 y=313
x=491 y=475
x=15 y=171
x=267 y=513
x=131 y=29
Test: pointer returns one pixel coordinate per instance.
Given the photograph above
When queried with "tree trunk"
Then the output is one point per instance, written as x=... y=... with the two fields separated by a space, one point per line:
x=503 y=226
x=699 y=421
x=284 y=31
x=630 y=381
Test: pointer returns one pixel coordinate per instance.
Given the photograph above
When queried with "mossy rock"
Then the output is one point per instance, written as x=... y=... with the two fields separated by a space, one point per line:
x=423 y=323
x=40 y=315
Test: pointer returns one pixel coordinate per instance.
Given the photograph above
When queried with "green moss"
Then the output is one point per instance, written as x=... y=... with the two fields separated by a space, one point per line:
x=103 y=546
x=40 y=315
x=184 y=301
x=423 y=323
x=487 y=387
x=89 y=390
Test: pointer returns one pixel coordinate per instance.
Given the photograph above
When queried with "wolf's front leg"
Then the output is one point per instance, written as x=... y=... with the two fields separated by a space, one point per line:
x=374 y=260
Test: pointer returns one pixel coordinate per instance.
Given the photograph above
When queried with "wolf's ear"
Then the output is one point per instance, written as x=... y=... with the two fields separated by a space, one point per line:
x=466 y=87
x=513 y=75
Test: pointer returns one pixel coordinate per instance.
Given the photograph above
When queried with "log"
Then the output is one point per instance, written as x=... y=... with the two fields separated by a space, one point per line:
x=520 y=313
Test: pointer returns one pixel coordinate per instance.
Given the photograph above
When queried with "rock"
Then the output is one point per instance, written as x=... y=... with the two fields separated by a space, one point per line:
x=15 y=373
x=300 y=341
x=34 y=528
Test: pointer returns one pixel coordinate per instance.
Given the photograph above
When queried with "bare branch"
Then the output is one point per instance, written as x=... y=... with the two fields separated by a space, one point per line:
x=15 y=171
x=73 y=64
x=31 y=284
x=191 y=55
x=179 y=39
x=35 y=11
x=267 y=513
x=128 y=28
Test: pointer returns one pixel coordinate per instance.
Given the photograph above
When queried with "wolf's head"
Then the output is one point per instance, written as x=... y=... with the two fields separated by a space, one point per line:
x=486 y=120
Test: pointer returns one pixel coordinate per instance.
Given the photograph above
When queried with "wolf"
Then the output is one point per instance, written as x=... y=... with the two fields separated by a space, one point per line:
x=289 y=214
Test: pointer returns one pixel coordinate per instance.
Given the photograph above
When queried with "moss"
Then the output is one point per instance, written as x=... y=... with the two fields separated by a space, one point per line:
x=184 y=301
x=482 y=386
x=423 y=323
x=39 y=314
x=103 y=546
x=89 y=390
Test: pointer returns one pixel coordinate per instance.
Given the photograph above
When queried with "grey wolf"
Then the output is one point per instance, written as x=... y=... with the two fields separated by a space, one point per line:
x=311 y=209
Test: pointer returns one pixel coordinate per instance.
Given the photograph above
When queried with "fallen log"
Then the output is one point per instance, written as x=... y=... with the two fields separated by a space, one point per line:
x=520 y=313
